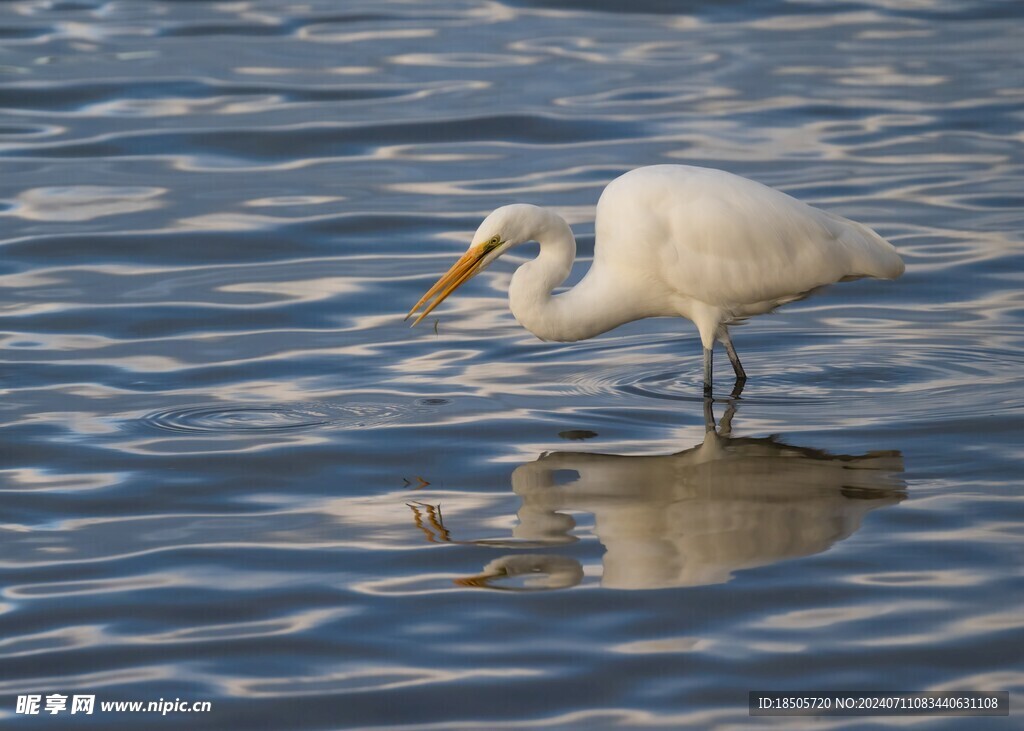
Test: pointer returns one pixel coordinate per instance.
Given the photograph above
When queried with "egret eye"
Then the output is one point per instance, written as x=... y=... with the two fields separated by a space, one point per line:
x=495 y=240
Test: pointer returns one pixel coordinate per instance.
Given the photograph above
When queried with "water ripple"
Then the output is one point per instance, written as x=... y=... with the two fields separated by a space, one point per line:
x=245 y=418
x=231 y=472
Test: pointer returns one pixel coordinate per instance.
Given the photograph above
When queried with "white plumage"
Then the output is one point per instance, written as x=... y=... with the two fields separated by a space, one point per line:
x=673 y=240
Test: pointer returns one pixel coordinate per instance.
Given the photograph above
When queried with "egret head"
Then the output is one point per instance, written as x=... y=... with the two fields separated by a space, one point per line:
x=500 y=231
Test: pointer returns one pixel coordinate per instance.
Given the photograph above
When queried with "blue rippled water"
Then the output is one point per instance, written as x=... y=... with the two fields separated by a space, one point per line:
x=231 y=473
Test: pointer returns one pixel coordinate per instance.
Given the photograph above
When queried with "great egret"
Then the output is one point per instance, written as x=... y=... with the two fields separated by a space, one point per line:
x=673 y=241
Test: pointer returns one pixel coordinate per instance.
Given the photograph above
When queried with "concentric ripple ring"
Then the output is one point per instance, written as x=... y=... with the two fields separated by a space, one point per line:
x=246 y=418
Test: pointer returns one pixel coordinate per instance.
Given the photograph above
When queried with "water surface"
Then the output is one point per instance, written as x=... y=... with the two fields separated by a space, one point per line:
x=230 y=472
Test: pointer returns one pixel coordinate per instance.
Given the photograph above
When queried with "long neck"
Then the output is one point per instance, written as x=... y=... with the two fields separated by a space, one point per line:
x=581 y=312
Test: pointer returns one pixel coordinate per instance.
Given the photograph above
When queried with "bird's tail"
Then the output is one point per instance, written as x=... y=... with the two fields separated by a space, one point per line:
x=872 y=256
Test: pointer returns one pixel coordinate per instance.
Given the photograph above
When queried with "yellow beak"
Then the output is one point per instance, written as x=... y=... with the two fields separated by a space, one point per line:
x=461 y=271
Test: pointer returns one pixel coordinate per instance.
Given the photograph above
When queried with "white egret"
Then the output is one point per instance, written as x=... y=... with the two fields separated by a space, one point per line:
x=673 y=241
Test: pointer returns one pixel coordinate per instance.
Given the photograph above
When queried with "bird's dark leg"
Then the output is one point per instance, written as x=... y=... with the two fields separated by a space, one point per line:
x=708 y=356
x=723 y=335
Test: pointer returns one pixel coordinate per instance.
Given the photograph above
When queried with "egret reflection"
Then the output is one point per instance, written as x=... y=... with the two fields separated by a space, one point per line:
x=686 y=519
